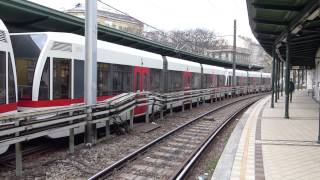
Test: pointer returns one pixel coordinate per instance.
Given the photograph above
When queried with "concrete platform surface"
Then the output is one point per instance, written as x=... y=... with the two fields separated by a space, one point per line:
x=265 y=145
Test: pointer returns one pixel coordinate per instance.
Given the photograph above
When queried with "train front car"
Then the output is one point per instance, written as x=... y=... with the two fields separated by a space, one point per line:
x=51 y=71
x=8 y=85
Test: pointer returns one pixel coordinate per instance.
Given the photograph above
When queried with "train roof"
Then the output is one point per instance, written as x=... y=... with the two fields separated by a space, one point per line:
x=4 y=38
x=117 y=54
x=254 y=74
x=176 y=64
x=208 y=69
x=2 y=26
x=266 y=75
x=238 y=73
x=241 y=73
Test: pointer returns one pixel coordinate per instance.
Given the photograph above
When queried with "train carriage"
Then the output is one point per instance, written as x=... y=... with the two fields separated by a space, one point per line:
x=266 y=81
x=8 y=79
x=182 y=76
x=213 y=77
x=254 y=81
x=241 y=82
x=51 y=72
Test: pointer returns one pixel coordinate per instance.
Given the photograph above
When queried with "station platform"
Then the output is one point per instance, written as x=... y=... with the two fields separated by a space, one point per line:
x=265 y=145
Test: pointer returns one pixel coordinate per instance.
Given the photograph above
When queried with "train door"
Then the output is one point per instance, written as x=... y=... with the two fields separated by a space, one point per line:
x=187 y=80
x=141 y=83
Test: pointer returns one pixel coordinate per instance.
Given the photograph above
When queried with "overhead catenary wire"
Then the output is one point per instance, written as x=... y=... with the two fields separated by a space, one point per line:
x=179 y=40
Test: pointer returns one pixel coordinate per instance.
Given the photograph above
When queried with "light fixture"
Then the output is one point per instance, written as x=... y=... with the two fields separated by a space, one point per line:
x=314 y=15
x=296 y=29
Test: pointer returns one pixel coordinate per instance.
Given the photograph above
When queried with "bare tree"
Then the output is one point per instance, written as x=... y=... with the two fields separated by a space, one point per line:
x=197 y=41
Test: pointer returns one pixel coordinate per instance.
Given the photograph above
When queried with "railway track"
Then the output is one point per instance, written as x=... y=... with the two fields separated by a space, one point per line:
x=172 y=155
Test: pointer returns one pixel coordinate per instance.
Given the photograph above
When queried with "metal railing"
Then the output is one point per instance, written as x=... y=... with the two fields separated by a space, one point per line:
x=24 y=126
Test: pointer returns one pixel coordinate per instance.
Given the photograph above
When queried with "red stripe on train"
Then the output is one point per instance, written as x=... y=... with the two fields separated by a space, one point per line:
x=64 y=102
x=56 y=102
x=8 y=107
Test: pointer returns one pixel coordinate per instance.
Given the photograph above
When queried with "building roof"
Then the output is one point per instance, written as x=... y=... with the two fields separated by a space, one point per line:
x=272 y=21
x=104 y=13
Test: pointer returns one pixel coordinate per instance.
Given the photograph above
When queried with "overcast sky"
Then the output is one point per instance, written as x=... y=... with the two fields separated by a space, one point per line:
x=217 y=15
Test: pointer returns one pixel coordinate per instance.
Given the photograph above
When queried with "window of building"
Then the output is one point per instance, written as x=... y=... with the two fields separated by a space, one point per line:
x=61 y=78
x=2 y=77
x=44 y=89
x=78 y=79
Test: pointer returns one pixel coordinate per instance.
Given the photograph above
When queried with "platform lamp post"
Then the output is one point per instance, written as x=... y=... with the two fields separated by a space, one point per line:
x=234 y=55
x=90 y=70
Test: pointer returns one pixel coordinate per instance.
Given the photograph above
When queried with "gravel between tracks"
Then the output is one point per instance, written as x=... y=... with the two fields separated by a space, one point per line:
x=85 y=162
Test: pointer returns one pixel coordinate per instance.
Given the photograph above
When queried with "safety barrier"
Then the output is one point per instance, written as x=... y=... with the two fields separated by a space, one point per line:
x=24 y=126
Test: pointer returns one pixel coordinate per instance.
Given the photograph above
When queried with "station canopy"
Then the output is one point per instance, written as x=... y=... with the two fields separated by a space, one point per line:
x=272 y=21
x=25 y=16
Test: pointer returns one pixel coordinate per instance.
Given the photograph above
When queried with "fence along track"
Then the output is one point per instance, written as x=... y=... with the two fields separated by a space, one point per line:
x=24 y=126
x=196 y=134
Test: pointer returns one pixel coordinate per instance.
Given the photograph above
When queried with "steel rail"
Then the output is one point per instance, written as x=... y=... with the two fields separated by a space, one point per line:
x=117 y=165
x=197 y=154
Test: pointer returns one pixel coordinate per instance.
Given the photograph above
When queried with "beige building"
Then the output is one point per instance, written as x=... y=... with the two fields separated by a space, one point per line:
x=111 y=19
x=248 y=52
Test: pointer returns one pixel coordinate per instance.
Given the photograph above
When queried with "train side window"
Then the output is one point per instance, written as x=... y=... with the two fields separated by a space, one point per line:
x=44 y=89
x=25 y=71
x=155 y=75
x=146 y=82
x=78 y=79
x=2 y=77
x=122 y=78
x=138 y=81
x=196 y=80
x=102 y=79
x=61 y=78
x=11 y=84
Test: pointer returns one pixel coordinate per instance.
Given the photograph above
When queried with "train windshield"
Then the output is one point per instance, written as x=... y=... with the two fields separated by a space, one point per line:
x=27 y=49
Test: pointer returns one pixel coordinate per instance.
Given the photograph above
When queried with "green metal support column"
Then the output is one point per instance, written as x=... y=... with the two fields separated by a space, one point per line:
x=298 y=79
x=282 y=78
x=273 y=77
x=276 y=82
x=278 y=79
x=288 y=67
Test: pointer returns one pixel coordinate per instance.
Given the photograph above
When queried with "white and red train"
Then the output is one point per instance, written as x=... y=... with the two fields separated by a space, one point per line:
x=46 y=70
x=8 y=77
x=50 y=72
